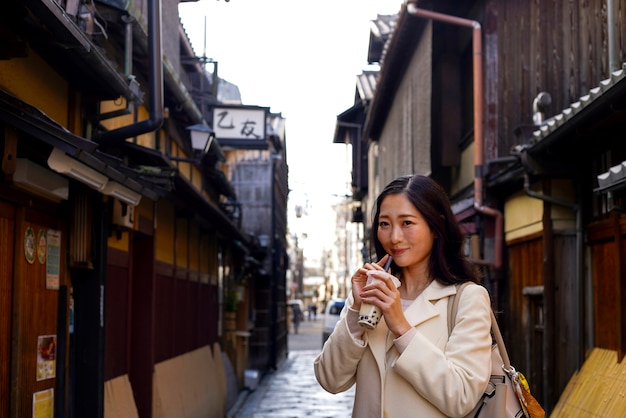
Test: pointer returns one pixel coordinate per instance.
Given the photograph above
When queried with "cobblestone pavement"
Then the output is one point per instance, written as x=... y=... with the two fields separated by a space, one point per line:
x=292 y=390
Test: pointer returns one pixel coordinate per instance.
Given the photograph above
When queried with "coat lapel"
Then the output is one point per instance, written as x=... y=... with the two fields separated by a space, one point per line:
x=420 y=311
x=424 y=308
x=377 y=339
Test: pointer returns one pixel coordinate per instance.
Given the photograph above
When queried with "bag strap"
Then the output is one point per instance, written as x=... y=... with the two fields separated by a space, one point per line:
x=453 y=306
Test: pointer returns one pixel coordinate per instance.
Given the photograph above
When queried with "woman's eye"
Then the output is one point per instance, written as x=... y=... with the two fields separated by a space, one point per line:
x=407 y=223
x=383 y=224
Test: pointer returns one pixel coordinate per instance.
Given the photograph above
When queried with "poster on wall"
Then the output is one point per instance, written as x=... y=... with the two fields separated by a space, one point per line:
x=53 y=239
x=46 y=357
x=41 y=246
x=29 y=245
x=43 y=404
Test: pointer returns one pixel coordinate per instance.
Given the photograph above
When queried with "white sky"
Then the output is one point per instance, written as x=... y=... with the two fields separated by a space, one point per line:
x=300 y=59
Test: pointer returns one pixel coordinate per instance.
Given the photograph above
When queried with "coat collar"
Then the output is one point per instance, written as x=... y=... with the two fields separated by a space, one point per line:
x=421 y=310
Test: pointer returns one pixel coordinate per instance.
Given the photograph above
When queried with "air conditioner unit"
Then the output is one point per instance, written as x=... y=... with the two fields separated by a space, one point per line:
x=123 y=214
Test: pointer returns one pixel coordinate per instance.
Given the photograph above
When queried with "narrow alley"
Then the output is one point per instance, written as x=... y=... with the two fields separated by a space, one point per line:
x=292 y=391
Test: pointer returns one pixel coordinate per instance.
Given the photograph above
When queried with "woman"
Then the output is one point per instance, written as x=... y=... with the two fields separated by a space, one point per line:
x=408 y=365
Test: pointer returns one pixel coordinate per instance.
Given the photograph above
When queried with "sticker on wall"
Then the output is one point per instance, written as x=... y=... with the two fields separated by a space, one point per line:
x=46 y=357
x=53 y=260
x=29 y=245
x=41 y=246
x=43 y=404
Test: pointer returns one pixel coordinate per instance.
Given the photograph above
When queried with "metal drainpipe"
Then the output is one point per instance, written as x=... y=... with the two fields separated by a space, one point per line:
x=155 y=76
x=479 y=140
x=610 y=26
x=128 y=43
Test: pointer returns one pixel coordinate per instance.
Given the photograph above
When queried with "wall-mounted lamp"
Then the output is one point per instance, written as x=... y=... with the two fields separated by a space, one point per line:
x=201 y=137
x=62 y=163
x=122 y=193
x=264 y=240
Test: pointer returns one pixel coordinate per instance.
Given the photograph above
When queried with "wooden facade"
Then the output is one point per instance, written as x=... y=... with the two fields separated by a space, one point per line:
x=120 y=240
x=515 y=107
x=606 y=242
x=7 y=229
x=36 y=306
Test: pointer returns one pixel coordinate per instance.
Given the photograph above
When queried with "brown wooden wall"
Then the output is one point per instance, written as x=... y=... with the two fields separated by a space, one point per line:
x=117 y=315
x=7 y=236
x=568 y=345
x=554 y=46
x=525 y=260
x=524 y=328
x=185 y=313
x=608 y=269
x=35 y=309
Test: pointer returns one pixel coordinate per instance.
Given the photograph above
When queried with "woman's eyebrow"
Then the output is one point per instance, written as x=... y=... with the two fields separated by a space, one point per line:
x=408 y=215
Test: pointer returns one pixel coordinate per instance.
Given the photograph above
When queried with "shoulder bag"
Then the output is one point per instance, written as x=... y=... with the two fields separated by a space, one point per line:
x=507 y=394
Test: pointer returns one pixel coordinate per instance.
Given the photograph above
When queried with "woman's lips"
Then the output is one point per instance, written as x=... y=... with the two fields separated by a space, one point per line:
x=395 y=253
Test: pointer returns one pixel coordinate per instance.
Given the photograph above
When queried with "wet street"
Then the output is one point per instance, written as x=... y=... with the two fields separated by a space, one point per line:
x=292 y=391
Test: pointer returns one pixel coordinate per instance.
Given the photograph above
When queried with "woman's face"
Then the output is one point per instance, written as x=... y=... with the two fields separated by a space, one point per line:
x=403 y=232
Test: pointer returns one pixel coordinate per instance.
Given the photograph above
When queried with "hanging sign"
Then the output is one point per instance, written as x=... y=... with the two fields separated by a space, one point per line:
x=240 y=126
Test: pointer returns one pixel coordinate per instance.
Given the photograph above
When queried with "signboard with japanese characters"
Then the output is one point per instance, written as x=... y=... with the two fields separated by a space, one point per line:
x=240 y=126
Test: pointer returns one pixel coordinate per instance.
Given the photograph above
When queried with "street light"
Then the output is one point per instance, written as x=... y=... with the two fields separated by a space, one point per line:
x=201 y=137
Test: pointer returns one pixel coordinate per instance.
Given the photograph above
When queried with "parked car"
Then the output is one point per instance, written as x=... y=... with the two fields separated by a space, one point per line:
x=331 y=316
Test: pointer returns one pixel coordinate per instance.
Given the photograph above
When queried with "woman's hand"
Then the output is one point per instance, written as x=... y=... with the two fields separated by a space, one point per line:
x=359 y=279
x=384 y=294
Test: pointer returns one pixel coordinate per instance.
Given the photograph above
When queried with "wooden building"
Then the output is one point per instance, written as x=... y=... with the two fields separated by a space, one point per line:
x=121 y=236
x=517 y=110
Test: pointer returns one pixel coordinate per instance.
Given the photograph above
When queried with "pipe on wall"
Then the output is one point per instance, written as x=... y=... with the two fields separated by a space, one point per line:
x=610 y=26
x=479 y=139
x=155 y=76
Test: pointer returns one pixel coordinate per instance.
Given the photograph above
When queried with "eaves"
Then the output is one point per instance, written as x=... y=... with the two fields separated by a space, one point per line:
x=580 y=118
x=348 y=121
x=182 y=193
x=207 y=213
x=380 y=30
x=353 y=118
x=56 y=37
x=30 y=120
x=395 y=61
x=366 y=86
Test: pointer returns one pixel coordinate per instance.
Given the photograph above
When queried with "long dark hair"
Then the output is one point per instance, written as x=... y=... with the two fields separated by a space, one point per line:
x=447 y=262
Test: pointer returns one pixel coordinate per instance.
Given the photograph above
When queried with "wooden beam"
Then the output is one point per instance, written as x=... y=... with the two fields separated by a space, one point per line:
x=9 y=157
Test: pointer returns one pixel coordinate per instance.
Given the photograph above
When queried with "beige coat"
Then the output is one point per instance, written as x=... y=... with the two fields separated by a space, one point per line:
x=432 y=377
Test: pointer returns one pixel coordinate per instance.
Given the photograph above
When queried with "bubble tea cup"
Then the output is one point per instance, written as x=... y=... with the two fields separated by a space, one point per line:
x=370 y=315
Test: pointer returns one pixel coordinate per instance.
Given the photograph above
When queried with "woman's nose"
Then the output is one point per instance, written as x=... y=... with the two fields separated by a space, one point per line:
x=395 y=235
